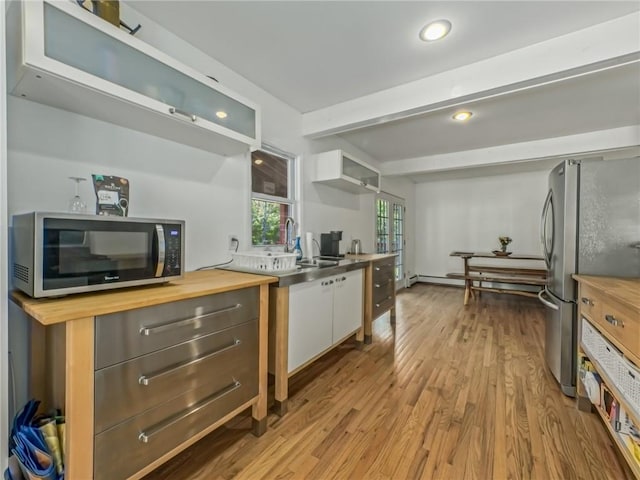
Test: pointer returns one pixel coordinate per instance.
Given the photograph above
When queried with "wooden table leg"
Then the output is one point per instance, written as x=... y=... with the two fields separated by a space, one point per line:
x=467 y=283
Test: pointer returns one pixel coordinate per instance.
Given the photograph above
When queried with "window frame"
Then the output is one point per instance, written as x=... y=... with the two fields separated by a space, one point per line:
x=290 y=200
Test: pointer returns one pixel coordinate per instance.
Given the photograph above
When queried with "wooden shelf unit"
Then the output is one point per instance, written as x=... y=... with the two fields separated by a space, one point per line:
x=606 y=302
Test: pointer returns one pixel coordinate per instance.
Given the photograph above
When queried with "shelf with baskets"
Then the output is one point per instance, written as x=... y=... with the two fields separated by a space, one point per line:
x=609 y=359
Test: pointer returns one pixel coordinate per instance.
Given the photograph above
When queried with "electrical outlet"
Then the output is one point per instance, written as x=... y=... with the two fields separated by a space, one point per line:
x=233 y=242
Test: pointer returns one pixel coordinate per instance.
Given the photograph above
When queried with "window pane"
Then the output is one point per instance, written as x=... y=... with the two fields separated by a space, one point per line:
x=267 y=222
x=269 y=174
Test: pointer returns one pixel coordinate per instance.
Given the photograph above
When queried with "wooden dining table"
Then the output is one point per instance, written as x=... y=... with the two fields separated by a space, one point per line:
x=496 y=274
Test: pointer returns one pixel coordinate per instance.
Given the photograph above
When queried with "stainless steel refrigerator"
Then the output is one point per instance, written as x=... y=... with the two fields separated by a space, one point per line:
x=590 y=225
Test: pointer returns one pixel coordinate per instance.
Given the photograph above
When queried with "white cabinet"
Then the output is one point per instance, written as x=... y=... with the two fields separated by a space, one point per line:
x=310 y=312
x=347 y=304
x=64 y=56
x=322 y=314
x=341 y=170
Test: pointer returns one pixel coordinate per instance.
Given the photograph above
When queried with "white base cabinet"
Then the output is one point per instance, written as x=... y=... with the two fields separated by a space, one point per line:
x=321 y=314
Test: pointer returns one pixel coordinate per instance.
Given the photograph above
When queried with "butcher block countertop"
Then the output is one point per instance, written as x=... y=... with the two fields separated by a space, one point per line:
x=625 y=290
x=370 y=257
x=49 y=311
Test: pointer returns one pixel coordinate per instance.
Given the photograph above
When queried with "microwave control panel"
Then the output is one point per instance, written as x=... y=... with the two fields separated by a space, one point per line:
x=173 y=250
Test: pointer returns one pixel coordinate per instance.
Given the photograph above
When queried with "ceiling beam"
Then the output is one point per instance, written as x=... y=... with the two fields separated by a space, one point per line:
x=580 y=144
x=593 y=49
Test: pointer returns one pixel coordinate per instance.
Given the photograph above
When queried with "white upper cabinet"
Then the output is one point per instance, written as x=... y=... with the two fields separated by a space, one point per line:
x=64 y=56
x=341 y=170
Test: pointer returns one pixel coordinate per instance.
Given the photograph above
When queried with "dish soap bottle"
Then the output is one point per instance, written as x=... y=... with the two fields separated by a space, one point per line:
x=298 y=249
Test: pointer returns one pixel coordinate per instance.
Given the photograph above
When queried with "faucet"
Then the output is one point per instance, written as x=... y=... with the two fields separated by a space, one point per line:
x=289 y=224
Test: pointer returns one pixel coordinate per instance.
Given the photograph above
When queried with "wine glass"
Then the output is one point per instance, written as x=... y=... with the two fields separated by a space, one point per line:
x=76 y=205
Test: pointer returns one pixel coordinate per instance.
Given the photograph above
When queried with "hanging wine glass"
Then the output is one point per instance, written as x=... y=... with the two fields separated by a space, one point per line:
x=76 y=205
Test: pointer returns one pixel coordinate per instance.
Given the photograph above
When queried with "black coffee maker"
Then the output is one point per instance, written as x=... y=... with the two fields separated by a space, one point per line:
x=330 y=244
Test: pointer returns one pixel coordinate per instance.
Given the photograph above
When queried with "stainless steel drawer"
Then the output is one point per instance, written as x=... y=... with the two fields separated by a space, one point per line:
x=383 y=270
x=382 y=306
x=385 y=263
x=129 y=388
x=125 y=335
x=130 y=446
x=382 y=290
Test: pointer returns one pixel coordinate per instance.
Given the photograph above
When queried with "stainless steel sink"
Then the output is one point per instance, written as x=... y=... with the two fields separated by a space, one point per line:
x=318 y=263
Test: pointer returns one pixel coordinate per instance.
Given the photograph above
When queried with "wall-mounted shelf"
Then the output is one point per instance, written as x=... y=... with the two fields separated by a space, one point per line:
x=341 y=170
x=64 y=56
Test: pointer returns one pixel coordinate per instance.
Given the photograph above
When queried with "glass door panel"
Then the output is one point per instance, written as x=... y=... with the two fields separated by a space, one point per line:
x=361 y=173
x=75 y=43
x=390 y=218
x=397 y=246
x=382 y=226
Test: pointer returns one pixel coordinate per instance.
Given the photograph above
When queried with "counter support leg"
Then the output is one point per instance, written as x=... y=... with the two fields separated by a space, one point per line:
x=279 y=306
x=259 y=409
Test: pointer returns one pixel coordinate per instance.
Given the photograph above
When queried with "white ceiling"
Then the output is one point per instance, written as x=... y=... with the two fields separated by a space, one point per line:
x=315 y=54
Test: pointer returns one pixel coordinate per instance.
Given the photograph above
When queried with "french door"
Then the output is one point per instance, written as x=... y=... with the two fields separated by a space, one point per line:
x=390 y=238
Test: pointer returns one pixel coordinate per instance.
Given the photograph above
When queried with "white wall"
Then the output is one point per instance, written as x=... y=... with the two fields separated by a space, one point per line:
x=468 y=214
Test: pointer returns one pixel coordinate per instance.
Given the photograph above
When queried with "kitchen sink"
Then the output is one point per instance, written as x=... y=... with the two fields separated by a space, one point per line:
x=319 y=263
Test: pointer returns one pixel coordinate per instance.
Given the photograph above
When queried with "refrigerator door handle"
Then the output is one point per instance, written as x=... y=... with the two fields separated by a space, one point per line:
x=543 y=229
x=547 y=303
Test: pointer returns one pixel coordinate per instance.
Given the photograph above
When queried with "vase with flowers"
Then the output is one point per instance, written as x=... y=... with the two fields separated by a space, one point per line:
x=504 y=241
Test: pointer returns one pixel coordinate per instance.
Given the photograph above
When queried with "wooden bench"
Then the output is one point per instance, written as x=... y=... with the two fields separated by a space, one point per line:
x=474 y=275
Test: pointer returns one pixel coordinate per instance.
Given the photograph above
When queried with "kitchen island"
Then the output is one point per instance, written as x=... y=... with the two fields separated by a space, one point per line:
x=166 y=339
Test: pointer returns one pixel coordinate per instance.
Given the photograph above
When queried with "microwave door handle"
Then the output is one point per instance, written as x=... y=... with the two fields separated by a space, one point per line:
x=161 y=250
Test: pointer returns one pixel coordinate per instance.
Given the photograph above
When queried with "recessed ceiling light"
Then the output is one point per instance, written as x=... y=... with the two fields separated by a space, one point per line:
x=258 y=161
x=435 y=30
x=221 y=114
x=462 y=116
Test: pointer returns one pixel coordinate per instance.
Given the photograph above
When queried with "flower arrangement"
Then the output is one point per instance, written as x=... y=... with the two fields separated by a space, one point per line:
x=504 y=241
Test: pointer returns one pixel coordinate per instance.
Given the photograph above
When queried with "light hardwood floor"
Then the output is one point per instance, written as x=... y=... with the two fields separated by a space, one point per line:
x=451 y=392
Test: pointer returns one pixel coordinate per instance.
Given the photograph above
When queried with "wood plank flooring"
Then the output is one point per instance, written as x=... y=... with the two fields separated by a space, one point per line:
x=450 y=392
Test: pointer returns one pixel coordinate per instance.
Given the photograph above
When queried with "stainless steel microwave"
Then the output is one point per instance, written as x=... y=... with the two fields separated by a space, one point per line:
x=56 y=253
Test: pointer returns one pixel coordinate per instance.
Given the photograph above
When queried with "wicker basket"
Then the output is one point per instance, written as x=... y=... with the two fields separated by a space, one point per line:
x=265 y=261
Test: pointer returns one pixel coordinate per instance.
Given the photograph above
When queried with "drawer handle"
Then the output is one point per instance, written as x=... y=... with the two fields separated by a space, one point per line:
x=147 y=434
x=377 y=269
x=197 y=321
x=614 y=321
x=146 y=379
x=388 y=298
x=588 y=301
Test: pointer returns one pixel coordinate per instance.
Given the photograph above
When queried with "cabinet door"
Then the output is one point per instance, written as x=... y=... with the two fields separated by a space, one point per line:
x=347 y=304
x=366 y=176
x=310 y=312
x=72 y=59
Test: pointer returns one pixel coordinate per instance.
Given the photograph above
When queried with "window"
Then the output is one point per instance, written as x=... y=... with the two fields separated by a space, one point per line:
x=272 y=195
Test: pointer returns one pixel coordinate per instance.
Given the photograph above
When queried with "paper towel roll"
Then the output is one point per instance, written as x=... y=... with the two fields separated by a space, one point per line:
x=308 y=245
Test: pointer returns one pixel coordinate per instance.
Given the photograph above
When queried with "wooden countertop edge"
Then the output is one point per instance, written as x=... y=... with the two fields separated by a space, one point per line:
x=625 y=290
x=49 y=311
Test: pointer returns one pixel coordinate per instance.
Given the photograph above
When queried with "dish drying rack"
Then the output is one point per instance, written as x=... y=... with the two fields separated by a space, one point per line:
x=265 y=261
